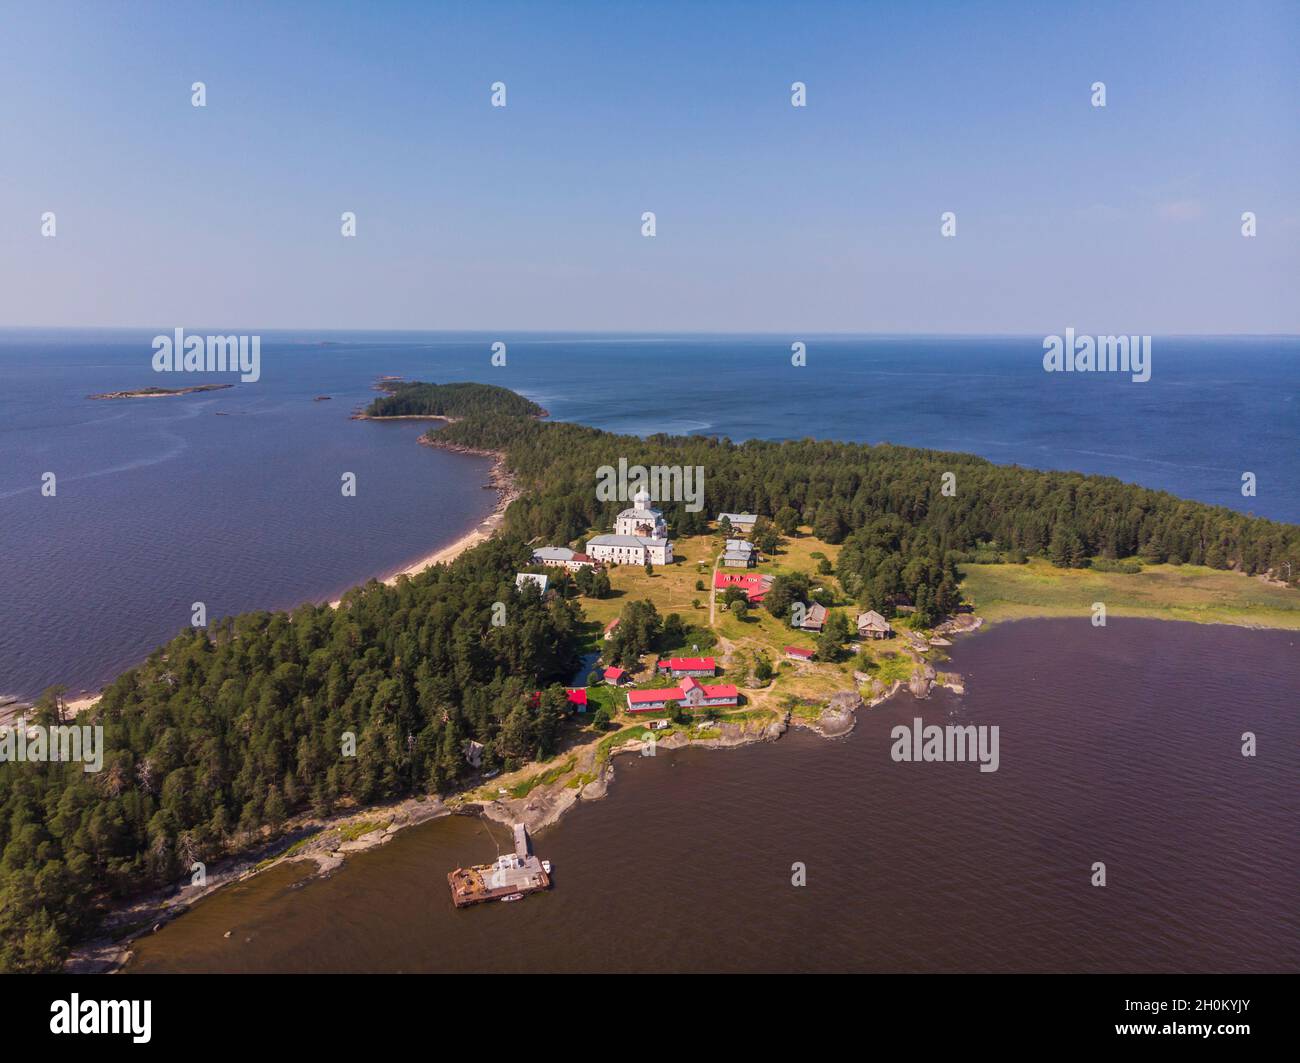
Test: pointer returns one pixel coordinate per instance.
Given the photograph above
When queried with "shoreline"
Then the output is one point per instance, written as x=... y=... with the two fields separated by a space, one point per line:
x=402 y=417
x=305 y=838
x=311 y=839
x=308 y=839
x=507 y=491
x=498 y=476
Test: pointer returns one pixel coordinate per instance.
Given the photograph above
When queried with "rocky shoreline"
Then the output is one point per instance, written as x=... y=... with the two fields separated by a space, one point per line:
x=328 y=842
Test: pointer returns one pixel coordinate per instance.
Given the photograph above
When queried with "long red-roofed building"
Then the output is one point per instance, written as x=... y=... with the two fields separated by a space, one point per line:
x=755 y=585
x=695 y=666
x=690 y=692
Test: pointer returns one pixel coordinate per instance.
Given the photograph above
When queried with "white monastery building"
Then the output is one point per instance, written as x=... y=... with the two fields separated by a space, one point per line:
x=640 y=535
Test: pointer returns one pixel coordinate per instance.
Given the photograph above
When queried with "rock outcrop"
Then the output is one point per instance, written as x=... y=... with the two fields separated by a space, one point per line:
x=839 y=715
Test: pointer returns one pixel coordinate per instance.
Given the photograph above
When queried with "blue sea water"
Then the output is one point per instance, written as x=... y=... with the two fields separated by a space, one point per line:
x=162 y=503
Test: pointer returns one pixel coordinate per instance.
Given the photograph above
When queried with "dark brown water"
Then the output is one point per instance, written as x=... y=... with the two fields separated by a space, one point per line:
x=1120 y=745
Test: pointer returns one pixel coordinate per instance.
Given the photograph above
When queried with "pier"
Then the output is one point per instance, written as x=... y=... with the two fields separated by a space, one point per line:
x=512 y=877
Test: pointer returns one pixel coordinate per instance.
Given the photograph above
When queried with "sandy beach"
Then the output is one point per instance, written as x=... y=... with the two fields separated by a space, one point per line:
x=507 y=492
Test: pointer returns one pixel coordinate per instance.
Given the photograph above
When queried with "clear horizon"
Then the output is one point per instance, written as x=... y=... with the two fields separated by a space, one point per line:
x=561 y=331
x=771 y=219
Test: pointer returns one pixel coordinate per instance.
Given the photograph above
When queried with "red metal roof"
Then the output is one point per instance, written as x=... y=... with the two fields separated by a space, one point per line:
x=577 y=695
x=754 y=584
x=690 y=664
x=641 y=697
x=666 y=694
x=614 y=673
x=799 y=651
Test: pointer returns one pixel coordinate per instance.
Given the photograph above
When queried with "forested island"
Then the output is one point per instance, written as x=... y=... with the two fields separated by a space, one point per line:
x=224 y=734
x=415 y=399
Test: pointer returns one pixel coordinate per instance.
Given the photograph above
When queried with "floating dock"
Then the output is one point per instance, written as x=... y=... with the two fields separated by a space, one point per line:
x=512 y=877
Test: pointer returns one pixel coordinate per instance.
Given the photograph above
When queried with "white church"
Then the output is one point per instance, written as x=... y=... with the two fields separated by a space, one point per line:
x=640 y=535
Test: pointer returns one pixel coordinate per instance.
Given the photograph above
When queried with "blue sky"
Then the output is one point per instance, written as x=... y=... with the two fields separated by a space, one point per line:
x=770 y=218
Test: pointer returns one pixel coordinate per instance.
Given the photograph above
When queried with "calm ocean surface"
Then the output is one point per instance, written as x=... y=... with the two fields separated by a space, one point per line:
x=162 y=503
x=1119 y=744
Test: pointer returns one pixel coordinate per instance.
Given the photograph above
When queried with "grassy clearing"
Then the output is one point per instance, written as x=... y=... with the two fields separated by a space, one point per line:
x=604 y=696
x=524 y=788
x=801 y=554
x=746 y=714
x=891 y=668
x=1163 y=592
x=805 y=710
x=671 y=587
x=352 y=831
x=612 y=741
x=292 y=850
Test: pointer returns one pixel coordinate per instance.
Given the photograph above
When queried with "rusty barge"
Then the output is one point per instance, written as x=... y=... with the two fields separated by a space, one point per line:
x=511 y=878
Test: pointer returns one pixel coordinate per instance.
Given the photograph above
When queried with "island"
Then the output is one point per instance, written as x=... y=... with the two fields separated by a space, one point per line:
x=414 y=400
x=819 y=579
x=157 y=392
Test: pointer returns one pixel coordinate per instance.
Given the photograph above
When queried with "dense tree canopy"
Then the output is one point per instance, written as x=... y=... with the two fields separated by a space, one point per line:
x=415 y=399
x=223 y=731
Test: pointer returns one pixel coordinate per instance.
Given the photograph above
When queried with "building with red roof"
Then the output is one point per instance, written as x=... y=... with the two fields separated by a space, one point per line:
x=616 y=676
x=798 y=653
x=754 y=584
x=688 y=666
x=690 y=692
x=576 y=696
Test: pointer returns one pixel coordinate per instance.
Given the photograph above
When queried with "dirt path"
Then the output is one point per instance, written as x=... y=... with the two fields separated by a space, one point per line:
x=713 y=590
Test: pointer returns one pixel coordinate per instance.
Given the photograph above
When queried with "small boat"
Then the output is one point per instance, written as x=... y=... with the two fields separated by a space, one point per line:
x=546 y=866
x=513 y=897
